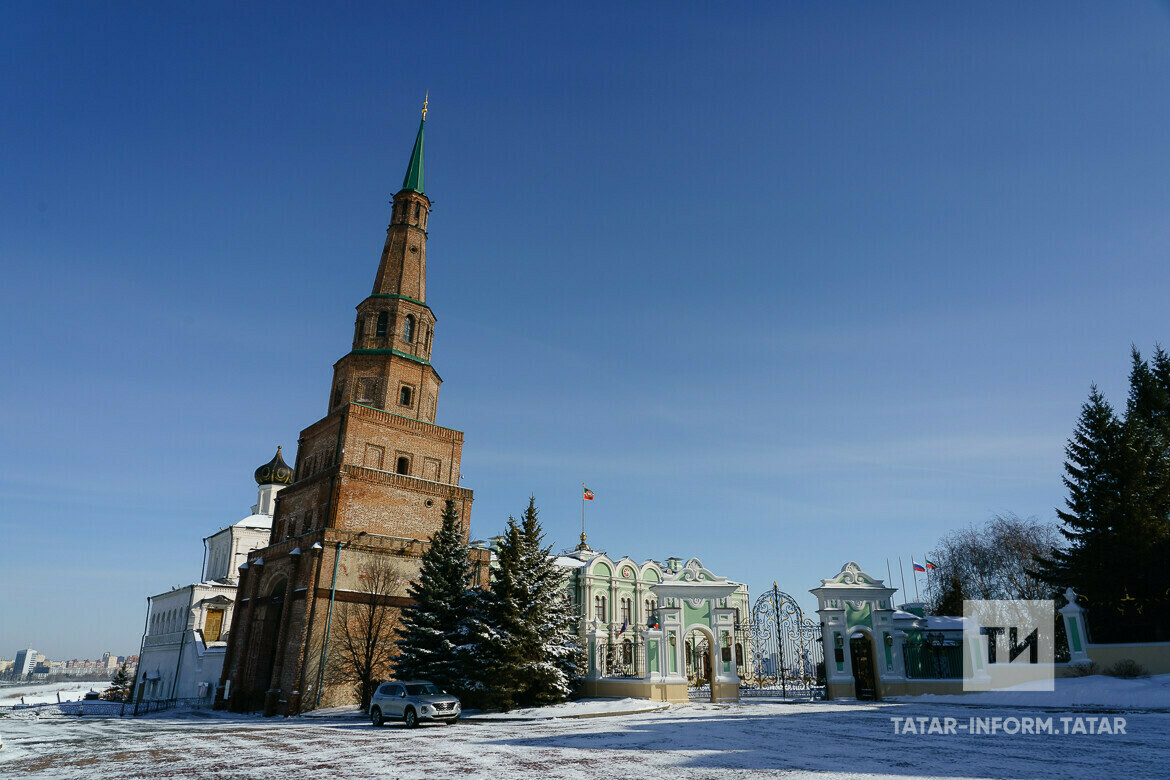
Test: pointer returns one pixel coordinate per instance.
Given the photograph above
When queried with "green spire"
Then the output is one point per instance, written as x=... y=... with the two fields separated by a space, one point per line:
x=414 y=173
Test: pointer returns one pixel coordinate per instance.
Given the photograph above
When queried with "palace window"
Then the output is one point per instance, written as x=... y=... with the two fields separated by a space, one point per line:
x=404 y=395
x=383 y=320
x=403 y=465
x=651 y=612
x=408 y=329
x=599 y=608
x=627 y=608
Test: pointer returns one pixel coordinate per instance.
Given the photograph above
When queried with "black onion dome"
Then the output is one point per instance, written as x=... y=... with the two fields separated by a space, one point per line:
x=274 y=472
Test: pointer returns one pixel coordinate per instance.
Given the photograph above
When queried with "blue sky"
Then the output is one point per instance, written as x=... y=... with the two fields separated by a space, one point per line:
x=786 y=284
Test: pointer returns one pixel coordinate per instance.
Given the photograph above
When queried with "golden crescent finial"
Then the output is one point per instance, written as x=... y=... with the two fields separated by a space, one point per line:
x=425 y=100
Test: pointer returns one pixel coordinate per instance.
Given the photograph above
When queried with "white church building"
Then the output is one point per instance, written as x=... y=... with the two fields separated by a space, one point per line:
x=187 y=628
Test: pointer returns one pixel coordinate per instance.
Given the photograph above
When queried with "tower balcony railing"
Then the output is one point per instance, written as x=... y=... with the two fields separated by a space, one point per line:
x=405 y=423
x=444 y=489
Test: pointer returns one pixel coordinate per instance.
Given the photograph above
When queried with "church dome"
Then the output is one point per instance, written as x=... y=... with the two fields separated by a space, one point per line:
x=274 y=472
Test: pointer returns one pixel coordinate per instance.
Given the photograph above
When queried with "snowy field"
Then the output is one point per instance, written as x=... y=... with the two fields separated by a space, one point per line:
x=751 y=739
x=42 y=693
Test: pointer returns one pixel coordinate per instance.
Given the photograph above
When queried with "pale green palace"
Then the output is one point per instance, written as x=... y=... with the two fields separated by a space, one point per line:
x=658 y=630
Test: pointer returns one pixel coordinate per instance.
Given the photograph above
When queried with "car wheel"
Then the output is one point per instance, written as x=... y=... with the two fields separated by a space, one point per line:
x=376 y=716
x=410 y=718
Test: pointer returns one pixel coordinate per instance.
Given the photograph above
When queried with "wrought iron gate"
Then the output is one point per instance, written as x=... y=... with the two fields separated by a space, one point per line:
x=699 y=666
x=786 y=656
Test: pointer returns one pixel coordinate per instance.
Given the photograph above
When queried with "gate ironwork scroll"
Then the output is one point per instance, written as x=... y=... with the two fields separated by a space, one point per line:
x=787 y=658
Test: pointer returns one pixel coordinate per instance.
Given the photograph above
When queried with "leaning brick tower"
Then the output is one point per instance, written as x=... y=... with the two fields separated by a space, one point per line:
x=369 y=485
x=377 y=462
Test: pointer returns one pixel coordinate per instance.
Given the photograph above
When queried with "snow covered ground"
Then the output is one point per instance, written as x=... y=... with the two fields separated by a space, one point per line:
x=752 y=739
x=1096 y=691
x=586 y=708
x=43 y=693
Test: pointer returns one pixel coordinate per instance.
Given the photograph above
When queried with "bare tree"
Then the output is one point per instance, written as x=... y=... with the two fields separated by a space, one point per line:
x=366 y=630
x=994 y=561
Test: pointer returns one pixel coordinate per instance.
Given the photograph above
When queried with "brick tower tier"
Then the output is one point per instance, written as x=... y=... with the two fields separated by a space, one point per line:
x=369 y=486
x=377 y=462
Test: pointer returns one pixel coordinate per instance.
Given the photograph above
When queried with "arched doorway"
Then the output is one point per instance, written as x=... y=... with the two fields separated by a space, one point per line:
x=265 y=634
x=861 y=656
x=700 y=665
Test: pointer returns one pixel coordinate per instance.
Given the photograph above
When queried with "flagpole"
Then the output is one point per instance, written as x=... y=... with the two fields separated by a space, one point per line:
x=582 y=513
x=925 y=561
x=888 y=573
x=902 y=572
x=914 y=574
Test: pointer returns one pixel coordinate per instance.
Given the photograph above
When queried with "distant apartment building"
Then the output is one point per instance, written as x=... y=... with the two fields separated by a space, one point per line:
x=25 y=663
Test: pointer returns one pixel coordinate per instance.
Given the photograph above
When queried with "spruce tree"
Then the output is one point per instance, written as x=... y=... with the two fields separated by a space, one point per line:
x=1117 y=521
x=435 y=633
x=531 y=656
x=1091 y=467
x=553 y=670
x=950 y=598
x=120 y=684
x=1148 y=405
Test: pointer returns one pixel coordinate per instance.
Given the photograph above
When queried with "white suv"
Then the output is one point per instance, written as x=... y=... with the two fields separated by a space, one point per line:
x=411 y=702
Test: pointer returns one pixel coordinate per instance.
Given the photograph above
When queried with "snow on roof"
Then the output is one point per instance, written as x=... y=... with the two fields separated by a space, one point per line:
x=942 y=623
x=901 y=614
x=255 y=521
x=569 y=563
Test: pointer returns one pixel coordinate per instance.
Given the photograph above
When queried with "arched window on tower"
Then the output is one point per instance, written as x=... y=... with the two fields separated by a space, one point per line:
x=383 y=321
x=361 y=329
x=417 y=210
x=408 y=329
x=403 y=465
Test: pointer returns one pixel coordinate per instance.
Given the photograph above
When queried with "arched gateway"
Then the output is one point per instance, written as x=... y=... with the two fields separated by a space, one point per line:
x=858 y=633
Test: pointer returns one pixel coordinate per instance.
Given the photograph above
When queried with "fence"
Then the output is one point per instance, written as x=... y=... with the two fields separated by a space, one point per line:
x=109 y=709
x=933 y=662
x=622 y=658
